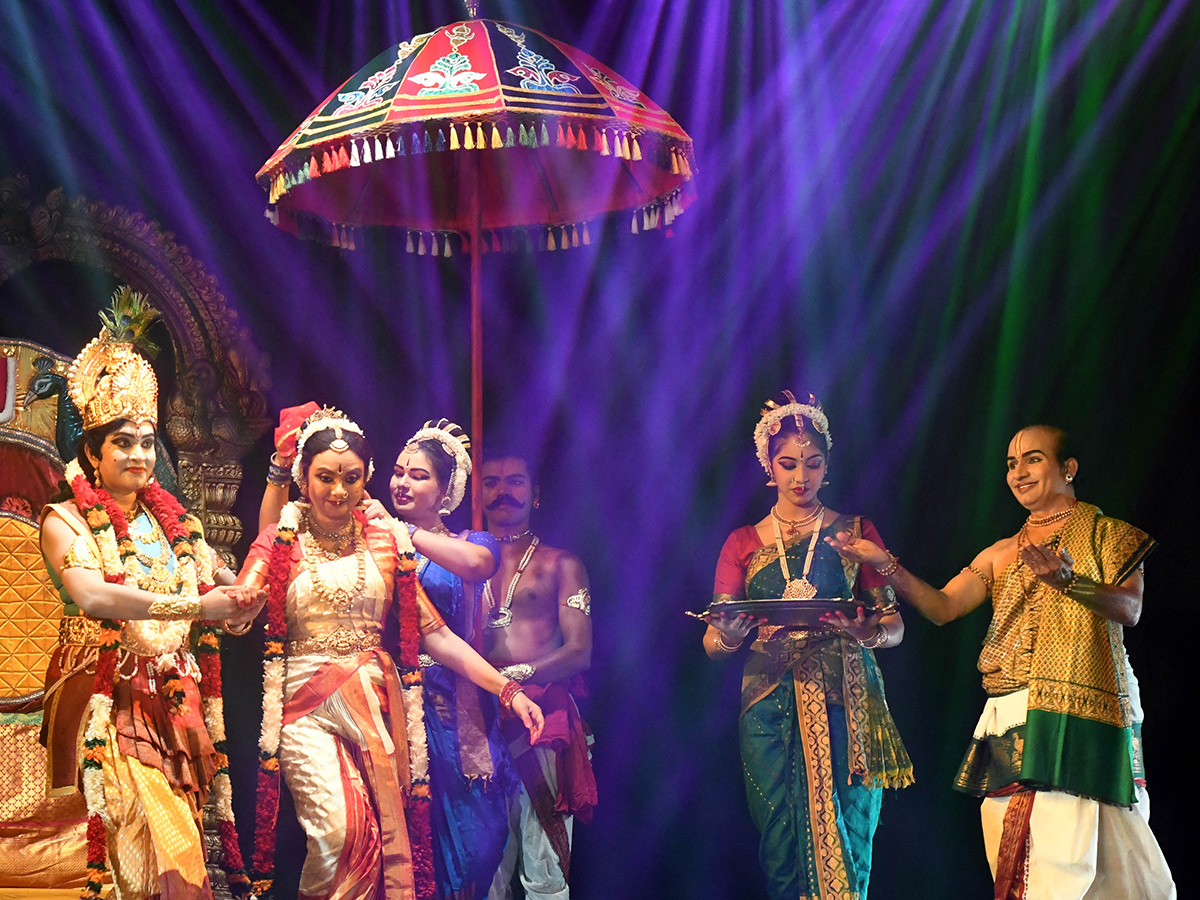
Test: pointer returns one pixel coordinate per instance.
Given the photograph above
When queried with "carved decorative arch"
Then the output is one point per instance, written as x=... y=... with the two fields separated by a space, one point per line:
x=219 y=407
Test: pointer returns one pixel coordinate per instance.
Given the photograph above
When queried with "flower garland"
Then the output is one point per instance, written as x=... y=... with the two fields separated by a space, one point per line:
x=420 y=829
x=118 y=557
x=405 y=601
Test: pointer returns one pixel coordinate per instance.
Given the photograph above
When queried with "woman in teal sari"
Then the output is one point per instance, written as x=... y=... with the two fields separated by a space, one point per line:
x=818 y=743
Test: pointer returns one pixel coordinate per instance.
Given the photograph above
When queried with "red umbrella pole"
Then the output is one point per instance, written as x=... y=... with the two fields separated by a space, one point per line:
x=476 y=367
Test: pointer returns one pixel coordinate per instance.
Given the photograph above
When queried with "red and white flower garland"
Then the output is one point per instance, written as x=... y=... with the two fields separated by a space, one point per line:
x=118 y=560
x=406 y=659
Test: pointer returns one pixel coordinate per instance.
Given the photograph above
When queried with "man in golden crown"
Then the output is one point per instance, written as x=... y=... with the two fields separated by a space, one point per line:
x=539 y=632
x=1057 y=754
x=132 y=704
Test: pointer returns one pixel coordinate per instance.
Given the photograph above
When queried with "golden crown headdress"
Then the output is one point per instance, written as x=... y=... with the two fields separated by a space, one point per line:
x=110 y=379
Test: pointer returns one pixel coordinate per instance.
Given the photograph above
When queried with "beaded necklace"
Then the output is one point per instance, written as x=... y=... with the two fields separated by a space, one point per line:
x=503 y=616
x=800 y=588
x=794 y=525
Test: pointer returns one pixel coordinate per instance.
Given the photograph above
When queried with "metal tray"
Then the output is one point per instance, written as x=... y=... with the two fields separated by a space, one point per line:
x=793 y=613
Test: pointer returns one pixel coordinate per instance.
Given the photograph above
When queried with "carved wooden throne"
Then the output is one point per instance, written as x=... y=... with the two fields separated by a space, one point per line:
x=213 y=411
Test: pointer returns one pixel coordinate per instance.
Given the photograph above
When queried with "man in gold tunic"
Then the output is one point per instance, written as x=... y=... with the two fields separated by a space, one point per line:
x=1056 y=755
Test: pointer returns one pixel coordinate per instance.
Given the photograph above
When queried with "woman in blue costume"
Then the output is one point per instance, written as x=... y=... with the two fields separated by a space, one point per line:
x=818 y=743
x=468 y=766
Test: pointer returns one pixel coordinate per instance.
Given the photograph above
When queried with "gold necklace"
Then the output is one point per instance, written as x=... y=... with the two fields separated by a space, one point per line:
x=794 y=525
x=341 y=538
x=158 y=578
x=339 y=598
x=503 y=616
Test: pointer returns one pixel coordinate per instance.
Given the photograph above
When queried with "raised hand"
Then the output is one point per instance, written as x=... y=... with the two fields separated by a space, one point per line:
x=373 y=509
x=859 y=550
x=1053 y=568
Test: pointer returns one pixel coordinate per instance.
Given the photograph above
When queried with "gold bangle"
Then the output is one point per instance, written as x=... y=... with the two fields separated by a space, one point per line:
x=240 y=630
x=1080 y=586
x=174 y=606
x=724 y=646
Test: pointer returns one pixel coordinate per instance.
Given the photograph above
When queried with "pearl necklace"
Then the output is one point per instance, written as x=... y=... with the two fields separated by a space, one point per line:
x=503 y=616
x=794 y=525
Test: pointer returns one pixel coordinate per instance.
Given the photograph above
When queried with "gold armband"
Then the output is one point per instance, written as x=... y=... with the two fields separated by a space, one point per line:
x=175 y=606
x=519 y=672
x=581 y=600
x=82 y=554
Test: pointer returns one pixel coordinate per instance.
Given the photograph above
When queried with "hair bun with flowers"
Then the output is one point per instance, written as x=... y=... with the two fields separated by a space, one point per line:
x=457 y=445
x=774 y=412
x=324 y=418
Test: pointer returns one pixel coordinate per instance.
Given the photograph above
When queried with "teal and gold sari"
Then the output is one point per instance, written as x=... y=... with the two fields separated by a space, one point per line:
x=818 y=742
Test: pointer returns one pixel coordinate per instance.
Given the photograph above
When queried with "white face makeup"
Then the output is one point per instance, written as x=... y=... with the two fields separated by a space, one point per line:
x=127 y=458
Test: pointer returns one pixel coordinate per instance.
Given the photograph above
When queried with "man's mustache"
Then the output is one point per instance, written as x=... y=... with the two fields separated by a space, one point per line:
x=504 y=500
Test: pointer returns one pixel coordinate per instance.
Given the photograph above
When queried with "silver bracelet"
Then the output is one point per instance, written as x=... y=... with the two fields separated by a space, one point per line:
x=519 y=672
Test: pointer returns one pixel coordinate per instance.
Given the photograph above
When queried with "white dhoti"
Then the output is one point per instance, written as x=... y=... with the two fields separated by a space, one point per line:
x=529 y=851
x=1079 y=848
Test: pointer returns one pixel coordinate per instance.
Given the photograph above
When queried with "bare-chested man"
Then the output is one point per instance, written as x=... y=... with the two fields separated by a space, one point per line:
x=539 y=633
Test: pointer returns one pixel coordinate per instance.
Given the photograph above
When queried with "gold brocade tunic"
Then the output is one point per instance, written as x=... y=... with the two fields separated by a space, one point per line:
x=1012 y=636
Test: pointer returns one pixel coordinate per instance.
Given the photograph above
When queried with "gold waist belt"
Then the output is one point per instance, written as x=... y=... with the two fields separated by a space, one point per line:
x=79 y=630
x=343 y=642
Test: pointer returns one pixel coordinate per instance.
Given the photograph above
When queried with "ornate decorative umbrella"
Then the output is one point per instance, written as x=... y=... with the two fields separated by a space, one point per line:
x=486 y=130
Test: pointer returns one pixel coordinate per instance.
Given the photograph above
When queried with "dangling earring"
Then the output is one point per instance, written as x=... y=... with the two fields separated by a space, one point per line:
x=444 y=507
x=771 y=482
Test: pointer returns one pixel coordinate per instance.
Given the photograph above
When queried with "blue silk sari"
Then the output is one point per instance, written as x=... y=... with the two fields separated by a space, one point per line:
x=818 y=742
x=469 y=769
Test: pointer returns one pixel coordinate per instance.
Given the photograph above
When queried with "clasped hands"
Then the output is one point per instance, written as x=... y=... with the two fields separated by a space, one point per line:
x=236 y=604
